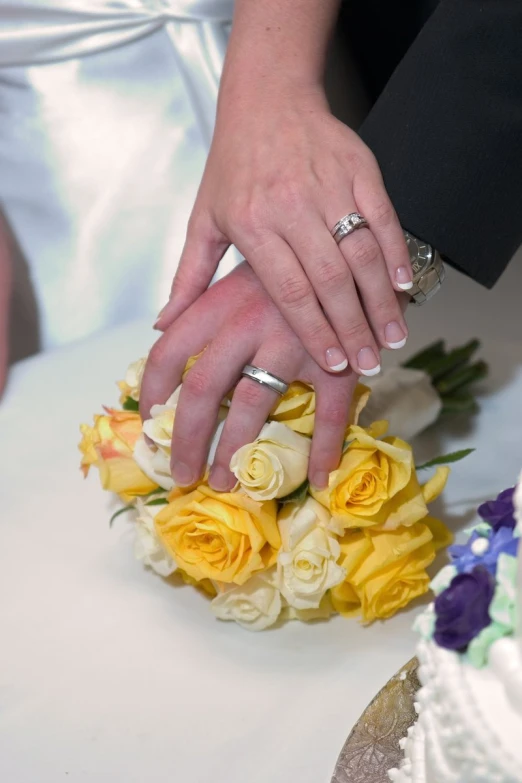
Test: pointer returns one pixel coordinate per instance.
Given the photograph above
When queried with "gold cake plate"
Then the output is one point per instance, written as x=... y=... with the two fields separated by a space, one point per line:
x=373 y=745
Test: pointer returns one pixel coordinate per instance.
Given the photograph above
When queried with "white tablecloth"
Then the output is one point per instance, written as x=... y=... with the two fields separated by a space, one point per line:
x=109 y=674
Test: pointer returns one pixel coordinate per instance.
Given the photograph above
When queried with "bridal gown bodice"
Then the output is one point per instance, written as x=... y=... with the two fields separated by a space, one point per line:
x=106 y=114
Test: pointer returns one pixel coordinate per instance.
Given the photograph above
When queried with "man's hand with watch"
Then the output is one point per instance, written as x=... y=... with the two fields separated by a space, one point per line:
x=428 y=269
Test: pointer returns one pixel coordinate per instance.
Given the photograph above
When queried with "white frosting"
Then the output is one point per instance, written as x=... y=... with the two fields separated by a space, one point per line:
x=470 y=726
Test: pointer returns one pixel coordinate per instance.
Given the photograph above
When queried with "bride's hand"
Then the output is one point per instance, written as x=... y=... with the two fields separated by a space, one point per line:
x=239 y=324
x=281 y=172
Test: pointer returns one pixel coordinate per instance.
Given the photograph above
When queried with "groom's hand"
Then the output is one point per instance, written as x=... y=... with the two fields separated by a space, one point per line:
x=237 y=323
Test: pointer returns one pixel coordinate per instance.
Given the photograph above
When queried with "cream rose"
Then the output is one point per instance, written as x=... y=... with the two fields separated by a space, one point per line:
x=307 y=562
x=131 y=385
x=274 y=465
x=407 y=400
x=155 y=461
x=147 y=546
x=256 y=605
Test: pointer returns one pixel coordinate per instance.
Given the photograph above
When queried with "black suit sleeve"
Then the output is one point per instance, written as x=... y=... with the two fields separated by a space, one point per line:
x=447 y=134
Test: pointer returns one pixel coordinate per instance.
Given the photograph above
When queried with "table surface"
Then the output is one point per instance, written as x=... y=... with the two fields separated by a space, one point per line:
x=108 y=673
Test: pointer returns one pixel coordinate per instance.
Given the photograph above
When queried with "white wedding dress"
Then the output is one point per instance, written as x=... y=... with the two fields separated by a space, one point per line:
x=106 y=114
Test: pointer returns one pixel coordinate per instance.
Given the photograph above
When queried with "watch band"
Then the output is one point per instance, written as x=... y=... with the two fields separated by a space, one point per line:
x=428 y=269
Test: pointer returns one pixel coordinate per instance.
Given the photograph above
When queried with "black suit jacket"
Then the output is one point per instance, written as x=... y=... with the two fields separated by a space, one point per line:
x=446 y=124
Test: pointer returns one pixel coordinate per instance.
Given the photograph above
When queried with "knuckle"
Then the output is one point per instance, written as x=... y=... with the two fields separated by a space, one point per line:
x=382 y=213
x=334 y=416
x=294 y=292
x=287 y=195
x=250 y=394
x=197 y=385
x=356 y=332
x=245 y=215
x=331 y=275
x=365 y=255
x=157 y=357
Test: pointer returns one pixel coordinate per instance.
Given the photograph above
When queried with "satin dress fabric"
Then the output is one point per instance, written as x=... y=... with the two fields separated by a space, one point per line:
x=106 y=116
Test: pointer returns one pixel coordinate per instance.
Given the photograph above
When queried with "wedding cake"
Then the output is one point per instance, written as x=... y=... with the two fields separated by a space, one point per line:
x=469 y=726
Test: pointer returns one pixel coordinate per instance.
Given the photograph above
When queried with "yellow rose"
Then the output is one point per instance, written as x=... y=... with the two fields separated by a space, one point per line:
x=225 y=537
x=109 y=446
x=386 y=569
x=376 y=484
x=296 y=408
x=274 y=465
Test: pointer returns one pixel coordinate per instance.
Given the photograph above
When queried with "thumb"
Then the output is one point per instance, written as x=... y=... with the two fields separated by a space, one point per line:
x=5 y=298
x=205 y=246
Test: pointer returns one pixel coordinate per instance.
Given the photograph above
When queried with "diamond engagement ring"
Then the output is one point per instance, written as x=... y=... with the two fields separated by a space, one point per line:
x=265 y=378
x=347 y=224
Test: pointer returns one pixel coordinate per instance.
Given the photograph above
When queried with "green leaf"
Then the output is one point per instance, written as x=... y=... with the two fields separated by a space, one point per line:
x=438 y=368
x=461 y=377
x=120 y=511
x=158 y=502
x=157 y=491
x=455 y=456
x=298 y=495
x=459 y=402
x=419 y=360
x=130 y=404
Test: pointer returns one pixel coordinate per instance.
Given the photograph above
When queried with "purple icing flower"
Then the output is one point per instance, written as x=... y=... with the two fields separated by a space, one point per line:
x=462 y=610
x=500 y=512
x=483 y=550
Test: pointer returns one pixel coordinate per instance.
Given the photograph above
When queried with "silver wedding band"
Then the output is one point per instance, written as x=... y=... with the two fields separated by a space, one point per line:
x=265 y=378
x=347 y=225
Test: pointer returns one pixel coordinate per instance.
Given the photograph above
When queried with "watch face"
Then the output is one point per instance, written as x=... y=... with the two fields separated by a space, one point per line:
x=420 y=253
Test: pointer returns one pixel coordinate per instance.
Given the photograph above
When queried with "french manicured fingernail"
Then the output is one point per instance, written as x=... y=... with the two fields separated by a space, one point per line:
x=219 y=479
x=394 y=336
x=336 y=360
x=368 y=362
x=403 y=278
x=183 y=474
x=158 y=319
x=320 y=480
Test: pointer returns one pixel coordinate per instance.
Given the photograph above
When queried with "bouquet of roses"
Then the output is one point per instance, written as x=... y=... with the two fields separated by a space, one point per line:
x=275 y=548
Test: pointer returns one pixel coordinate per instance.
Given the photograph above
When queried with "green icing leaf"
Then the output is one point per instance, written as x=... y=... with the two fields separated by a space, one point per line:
x=443 y=579
x=424 y=623
x=481 y=528
x=455 y=456
x=130 y=404
x=158 y=502
x=478 y=649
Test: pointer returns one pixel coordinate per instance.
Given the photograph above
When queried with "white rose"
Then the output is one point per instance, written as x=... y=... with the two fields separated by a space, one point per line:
x=134 y=377
x=155 y=461
x=323 y=612
x=307 y=563
x=147 y=546
x=405 y=398
x=274 y=465
x=255 y=605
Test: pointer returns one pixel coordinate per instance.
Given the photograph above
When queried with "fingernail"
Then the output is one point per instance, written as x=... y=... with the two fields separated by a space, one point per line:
x=403 y=278
x=158 y=319
x=182 y=474
x=368 y=362
x=336 y=359
x=220 y=479
x=320 y=480
x=394 y=336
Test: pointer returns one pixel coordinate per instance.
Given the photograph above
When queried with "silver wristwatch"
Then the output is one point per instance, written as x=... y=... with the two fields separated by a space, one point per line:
x=428 y=269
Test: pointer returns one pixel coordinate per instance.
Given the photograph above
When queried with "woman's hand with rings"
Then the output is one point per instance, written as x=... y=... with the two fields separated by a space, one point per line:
x=281 y=172
x=237 y=323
